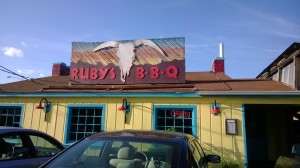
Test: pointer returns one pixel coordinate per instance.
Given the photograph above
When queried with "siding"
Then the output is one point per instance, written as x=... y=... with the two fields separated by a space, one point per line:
x=210 y=129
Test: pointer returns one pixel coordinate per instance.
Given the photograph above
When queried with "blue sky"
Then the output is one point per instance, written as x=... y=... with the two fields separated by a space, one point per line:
x=34 y=34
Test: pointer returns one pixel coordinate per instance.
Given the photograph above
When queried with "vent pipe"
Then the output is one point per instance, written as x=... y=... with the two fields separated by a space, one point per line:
x=222 y=50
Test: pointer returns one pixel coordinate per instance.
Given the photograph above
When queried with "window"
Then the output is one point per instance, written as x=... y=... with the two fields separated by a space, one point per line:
x=94 y=149
x=10 y=116
x=26 y=148
x=180 y=119
x=196 y=154
x=84 y=121
x=190 y=159
x=120 y=152
x=13 y=147
x=44 y=147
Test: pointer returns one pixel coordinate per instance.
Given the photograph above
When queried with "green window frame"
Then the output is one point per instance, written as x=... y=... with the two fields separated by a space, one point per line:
x=82 y=121
x=11 y=115
x=175 y=118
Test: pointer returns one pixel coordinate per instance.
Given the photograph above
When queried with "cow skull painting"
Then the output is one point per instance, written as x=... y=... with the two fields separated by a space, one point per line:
x=126 y=53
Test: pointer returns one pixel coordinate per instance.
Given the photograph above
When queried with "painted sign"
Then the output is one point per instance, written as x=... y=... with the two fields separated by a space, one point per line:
x=128 y=62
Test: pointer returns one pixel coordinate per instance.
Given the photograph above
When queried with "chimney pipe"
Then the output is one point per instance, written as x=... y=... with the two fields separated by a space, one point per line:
x=222 y=50
x=218 y=63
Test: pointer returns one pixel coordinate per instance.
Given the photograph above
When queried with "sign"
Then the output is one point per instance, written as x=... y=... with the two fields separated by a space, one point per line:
x=231 y=126
x=128 y=62
x=179 y=113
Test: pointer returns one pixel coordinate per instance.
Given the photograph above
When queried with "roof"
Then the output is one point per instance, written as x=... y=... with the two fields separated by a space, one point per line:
x=281 y=60
x=144 y=134
x=195 y=82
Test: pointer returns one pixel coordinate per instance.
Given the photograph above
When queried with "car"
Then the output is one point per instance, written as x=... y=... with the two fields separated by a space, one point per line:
x=21 y=147
x=134 y=149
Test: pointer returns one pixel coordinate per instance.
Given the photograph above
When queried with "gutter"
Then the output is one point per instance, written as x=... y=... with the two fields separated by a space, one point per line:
x=295 y=94
x=122 y=95
x=249 y=93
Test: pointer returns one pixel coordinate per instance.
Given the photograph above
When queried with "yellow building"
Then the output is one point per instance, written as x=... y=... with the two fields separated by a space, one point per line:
x=250 y=121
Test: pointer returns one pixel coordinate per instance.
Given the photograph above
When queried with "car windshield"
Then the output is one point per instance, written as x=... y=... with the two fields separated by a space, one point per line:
x=118 y=153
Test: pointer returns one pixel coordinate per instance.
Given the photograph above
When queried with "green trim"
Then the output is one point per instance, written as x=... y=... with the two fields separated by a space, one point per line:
x=244 y=135
x=164 y=107
x=16 y=105
x=219 y=58
x=68 y=118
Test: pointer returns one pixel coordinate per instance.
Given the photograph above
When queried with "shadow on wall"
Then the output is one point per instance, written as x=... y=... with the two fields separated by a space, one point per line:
x=232 y=155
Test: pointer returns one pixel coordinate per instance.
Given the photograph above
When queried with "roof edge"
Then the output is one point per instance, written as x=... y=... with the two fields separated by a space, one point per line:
x=251 y=93
x=99 y=95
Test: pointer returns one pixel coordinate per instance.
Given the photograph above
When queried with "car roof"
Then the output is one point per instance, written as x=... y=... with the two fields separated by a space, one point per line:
x=142 y=134
x=4 y=129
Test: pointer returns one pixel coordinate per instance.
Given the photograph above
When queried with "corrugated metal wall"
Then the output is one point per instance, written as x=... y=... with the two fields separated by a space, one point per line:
x=288 y=74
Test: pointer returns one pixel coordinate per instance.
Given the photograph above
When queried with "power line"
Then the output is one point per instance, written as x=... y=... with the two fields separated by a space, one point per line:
x=2 y=68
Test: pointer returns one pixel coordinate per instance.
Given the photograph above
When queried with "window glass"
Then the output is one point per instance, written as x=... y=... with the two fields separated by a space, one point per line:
x=197 y=153
x=194 y=151
x=12 y=147
x=191 y=162
x=175 y=119
x=197 y=144
x=94 y=149
x=111 y=153
x=10 y=116
x=43 y=146
x=84 y=122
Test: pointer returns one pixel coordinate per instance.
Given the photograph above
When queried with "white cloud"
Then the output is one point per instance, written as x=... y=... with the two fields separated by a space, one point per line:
x=23 y=44
x=12 y=52
x=42 y=75
x=26 y=71
x=271 y=23
x=285 y=34
x=196 y=46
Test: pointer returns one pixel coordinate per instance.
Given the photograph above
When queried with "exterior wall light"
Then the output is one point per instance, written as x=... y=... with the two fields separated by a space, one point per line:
x=215 y=109
x=46 y=107
x=125 y=108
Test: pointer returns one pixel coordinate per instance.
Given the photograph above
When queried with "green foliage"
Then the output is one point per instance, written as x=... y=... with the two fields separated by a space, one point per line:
x=229 y=164
x=171 y=129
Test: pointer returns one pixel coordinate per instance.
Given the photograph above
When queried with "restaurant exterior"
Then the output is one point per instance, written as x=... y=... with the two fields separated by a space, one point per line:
x=142 y=84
